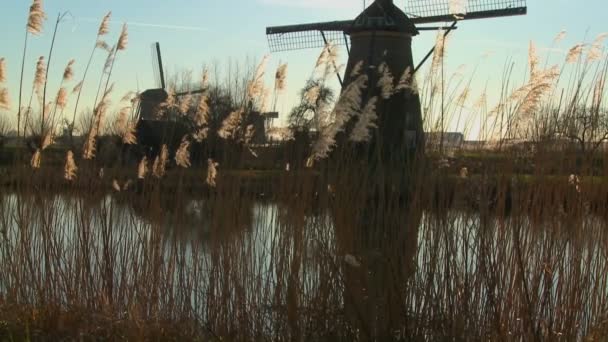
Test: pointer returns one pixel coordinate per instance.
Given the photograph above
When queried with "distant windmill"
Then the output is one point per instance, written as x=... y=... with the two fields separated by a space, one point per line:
x=383 y=33
x=154 y=129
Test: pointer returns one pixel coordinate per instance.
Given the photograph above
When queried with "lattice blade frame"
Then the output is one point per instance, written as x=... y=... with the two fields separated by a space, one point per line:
x=430 y=11
x=312 y=39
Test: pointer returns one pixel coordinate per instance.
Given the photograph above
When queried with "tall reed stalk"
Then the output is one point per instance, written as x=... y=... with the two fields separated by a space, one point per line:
x=103 y=30
x=35 y=21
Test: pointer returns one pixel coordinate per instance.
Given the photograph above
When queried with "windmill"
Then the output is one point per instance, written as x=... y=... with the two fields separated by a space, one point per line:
x=154 y=129
x=383 y=33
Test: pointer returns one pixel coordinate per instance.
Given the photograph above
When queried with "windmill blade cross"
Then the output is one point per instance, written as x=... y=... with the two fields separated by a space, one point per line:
x=305 y=36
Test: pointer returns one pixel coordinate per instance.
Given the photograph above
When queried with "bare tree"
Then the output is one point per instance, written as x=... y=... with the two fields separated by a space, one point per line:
x=315 y=100
x=587 y=126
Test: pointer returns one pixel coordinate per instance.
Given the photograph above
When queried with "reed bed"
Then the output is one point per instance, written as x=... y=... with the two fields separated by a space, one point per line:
x=194 y=243
x=299 y=265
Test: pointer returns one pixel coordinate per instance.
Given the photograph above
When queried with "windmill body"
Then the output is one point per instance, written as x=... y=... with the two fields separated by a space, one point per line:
x=383 y=33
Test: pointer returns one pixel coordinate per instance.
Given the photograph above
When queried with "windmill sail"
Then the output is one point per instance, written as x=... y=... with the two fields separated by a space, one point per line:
x=306 y=36
x=315 y=35
x=432 y=11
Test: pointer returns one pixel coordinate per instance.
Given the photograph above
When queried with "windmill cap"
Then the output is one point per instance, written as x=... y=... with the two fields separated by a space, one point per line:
x=383 y=15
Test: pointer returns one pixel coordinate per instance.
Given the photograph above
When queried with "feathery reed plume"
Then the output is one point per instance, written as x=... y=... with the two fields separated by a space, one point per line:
x=77 y=88
x=68 y=73
x=129 y=136
x=35 y=161
x=249 y=133
x=160 y=163
x=255 y=87
x=62 y=98
x=155 y=166
x=35 y=21
x=128 y=97
x=481 y=101
x=323 y=57
x=123 y=40
x=280 y=77
x=36 y=18
x=5 y=101
x=329 y=59
x=201 y=134
x=386 y=81
x=598 y=91
x=264 y=105
x=124 y=128
x=107 y=66
x=142 y=168
x=70 y=168
x=439 y=54
x=182 y=155
x=366 y=122
x=574 y=54
x=116 y=186
x=205 y=79
x=211 y=172
x=103 y=45
x=407 y=81
x=2 y=70
x=560 y=36
x=230 y=124
x=40 y=76
x=536 y=89
x=171 y=101
x=107 y=69
x=201 y=118
x=104 y=27
x=357 y=69
x=184 y=104
x=532 y=59
x=312 y=94
x=595 y=52
x=348 y=104
x=526 y=99
x=94 y=131
x=463 y=97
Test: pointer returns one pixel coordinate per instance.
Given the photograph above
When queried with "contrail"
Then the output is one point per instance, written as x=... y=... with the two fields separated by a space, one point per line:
x=162 y=26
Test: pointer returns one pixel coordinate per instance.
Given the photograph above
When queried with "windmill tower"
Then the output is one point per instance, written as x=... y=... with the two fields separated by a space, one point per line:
x=383 y=238
x=383 y=33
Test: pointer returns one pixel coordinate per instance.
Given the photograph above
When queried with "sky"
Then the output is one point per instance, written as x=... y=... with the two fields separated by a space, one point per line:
x=193 y=33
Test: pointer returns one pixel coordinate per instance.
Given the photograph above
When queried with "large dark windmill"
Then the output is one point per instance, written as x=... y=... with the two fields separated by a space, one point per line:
x=376 y=220
x=383 y=33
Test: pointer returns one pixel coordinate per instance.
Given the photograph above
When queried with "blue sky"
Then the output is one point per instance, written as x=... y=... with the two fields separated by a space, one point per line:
x=197 y=32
